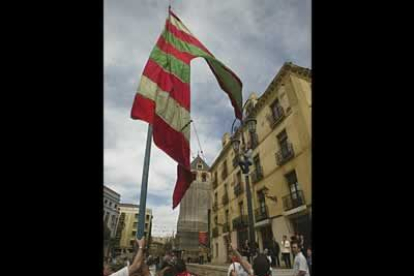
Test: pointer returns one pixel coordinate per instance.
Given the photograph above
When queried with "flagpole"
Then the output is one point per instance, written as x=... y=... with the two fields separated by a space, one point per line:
x=143 y=201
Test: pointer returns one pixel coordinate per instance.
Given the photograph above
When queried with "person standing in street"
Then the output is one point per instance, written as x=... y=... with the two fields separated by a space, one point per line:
x=286 y=252
x=302 y=245
x=246 y=249
x=276 y=251
x=267 y=254
x=309 y=260
x=294 y=238
x=300 y=265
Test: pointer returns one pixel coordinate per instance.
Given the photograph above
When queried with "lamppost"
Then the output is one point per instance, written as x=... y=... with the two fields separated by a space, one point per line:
x=244 y=164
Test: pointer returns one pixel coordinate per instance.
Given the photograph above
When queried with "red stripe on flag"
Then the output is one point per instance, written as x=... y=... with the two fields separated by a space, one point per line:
x=143 y=109
x=170 y=49
x=186 y=37
x=179 y=90
x=171 y=141
x=184 y=178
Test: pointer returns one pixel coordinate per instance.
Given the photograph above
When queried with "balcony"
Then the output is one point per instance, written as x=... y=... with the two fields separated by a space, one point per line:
x=285 y=154
x=238 y=189
x=293 y=200
x=240 y=222
x=257 y=175
x=261 y=214
x=215 y=206
x=215 y=232
x=225 y=199
x=275 y=119
x=226 y=227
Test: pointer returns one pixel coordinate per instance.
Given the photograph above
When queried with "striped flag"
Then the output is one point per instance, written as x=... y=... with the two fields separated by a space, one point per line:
x=163 y=96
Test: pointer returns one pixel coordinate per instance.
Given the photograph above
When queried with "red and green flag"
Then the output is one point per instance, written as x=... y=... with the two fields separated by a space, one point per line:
x=163 y=96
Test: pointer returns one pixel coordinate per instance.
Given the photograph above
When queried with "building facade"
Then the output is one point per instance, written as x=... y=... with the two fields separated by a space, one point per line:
x=111 y=213
x=127 y=227
x=193 y=216
x=280 y=177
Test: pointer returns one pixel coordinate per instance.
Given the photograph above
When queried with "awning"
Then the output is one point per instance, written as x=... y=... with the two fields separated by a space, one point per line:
x=262 y=223
x=295 y=210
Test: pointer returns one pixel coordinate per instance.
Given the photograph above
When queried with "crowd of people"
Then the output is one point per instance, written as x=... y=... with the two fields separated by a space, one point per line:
x=168 y=265
x=260 y=264
x=276 y=252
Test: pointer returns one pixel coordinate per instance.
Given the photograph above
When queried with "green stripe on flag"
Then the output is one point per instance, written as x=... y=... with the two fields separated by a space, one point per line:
x=183 y=46
x=230 y=82
x=171 y=64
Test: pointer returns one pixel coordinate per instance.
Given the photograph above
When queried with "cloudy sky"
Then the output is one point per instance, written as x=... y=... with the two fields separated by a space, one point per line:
x=252 y=37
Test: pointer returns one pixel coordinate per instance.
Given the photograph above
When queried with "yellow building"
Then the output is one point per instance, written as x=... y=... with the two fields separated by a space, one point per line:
x=280 y=177
x=127 y=227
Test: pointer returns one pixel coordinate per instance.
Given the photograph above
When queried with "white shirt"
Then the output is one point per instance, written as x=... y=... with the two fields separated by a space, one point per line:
x=239 y=269
x=285 y=246
x=125 y=272
x=269 y=258
x=300 y=264
x=122 y=272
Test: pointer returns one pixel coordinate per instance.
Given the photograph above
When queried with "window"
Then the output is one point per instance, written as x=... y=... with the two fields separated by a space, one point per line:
x=134 y=233
x=215 y=220
x=227 y=215
x=204 y=177
x=256 y=162
x=286 y=149
x=217 y=252
x=277 y=110
x=283 y=143
x=199 y=166
x=292 y=181
x=224 y=170
x=110 y=204
x=262 y=201
x=136 y=216
x=241 y=208
x=135 y=224
x=106 y=201
x=282 y=138
x=146 y=225
x=147 y=217
x=115 y=206
x=239 y=177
